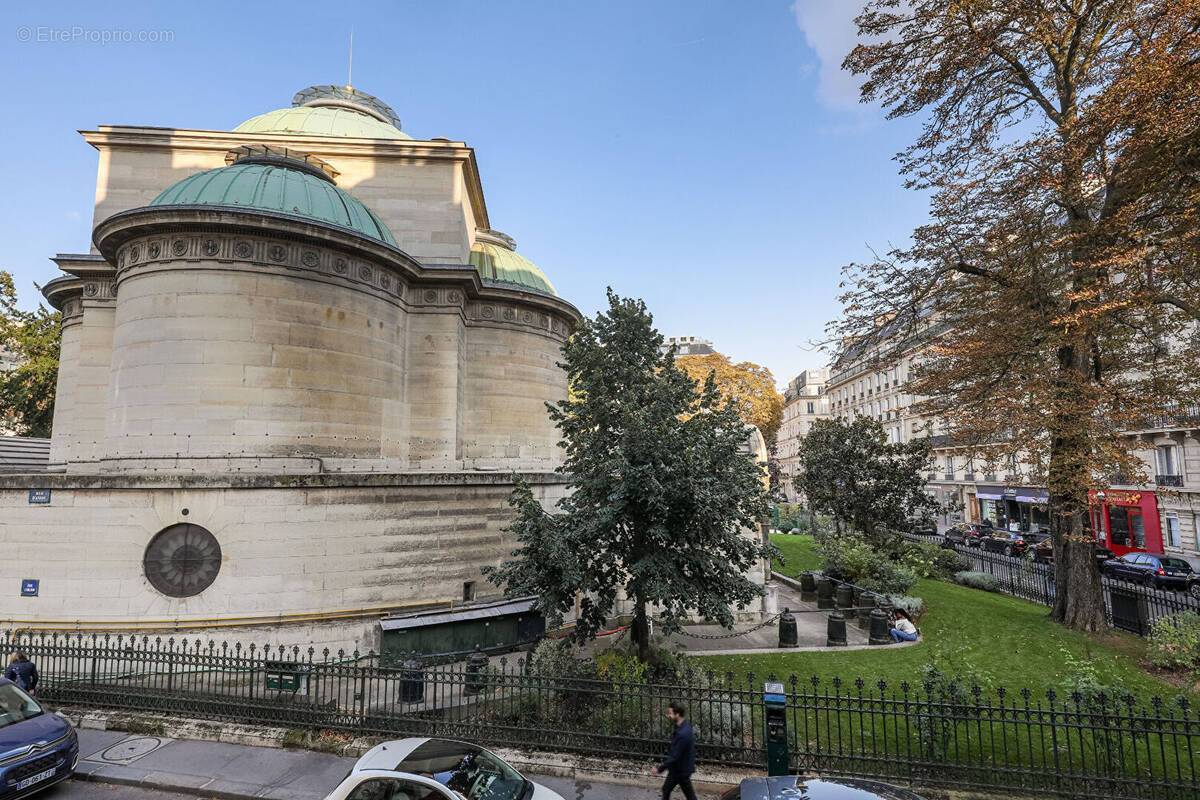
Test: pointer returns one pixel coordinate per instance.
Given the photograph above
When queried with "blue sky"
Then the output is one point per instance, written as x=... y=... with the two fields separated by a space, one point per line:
x=707 y=157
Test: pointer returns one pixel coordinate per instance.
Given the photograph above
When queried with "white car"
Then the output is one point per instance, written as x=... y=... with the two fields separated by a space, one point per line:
x=435 y=769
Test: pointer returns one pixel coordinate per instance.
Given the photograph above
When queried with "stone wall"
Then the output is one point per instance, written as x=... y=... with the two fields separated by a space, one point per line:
x=300 y=545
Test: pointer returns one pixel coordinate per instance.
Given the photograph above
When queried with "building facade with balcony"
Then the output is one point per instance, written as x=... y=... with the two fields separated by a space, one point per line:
x=804 y=402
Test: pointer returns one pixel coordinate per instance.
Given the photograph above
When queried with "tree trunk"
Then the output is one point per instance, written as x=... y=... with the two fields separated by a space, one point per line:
x=1078 y=596
x=640 y=631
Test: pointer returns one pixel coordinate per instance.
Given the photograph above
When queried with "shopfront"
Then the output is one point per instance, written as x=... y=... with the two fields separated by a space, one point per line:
x=1022 y=509
x=1126 y=521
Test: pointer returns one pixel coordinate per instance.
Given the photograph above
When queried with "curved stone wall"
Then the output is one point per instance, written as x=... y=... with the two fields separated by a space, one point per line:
x=246 y=355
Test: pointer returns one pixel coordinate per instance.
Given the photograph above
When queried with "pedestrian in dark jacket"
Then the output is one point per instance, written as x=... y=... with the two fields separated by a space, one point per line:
x=22 y=672
x=681 y=759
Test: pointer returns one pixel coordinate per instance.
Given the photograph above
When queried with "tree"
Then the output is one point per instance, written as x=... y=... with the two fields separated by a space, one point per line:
x=1062 y=154
x=32 y=338
x=747 y=386
x=850 y=471
x=659 y=490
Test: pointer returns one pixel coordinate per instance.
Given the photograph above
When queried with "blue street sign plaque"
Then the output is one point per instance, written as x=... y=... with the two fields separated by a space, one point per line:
x=29 y=587
x=39 y=495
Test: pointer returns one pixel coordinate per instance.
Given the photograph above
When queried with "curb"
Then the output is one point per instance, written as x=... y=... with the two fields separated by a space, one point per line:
x=95 y=776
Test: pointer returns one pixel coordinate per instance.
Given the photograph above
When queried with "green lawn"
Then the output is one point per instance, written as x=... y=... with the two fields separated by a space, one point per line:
x=1000 y=640
x=799 y=552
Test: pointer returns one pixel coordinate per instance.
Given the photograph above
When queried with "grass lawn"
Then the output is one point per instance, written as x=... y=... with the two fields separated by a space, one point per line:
x=800 y=553
x=1000 y=640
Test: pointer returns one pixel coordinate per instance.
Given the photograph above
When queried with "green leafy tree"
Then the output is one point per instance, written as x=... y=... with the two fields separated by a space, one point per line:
x=850 y=471
x=32 y=338
x=660 y=490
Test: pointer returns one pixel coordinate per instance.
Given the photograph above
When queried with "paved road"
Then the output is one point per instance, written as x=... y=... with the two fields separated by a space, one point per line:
x=78 y=790
x=569 y=789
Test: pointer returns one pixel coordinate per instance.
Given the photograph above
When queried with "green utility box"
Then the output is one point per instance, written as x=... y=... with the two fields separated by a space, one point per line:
x=775 y=703
x=287 y=676
x=495 y=627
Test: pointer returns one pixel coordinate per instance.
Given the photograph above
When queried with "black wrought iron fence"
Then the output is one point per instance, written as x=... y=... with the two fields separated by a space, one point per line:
x=1128 y=606
x=935 y=734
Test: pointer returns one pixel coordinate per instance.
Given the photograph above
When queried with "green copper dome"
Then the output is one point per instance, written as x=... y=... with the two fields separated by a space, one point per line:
x=270 y=187
x=496 y=262
x=321 y=121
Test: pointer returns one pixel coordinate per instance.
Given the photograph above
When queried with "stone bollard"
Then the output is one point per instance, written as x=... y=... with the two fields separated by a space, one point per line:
x=412 y=679
x=787 y=629
x=824 y=592
x=866 y=602
x=837 y=630
x=880 y=630
x=845 y=600
x=808 y=586
x=476 y=673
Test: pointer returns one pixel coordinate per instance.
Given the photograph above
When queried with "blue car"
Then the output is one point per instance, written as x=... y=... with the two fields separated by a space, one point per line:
x=37 y=749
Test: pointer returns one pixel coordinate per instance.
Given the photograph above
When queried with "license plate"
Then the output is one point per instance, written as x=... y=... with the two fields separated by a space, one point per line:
x=32 y=779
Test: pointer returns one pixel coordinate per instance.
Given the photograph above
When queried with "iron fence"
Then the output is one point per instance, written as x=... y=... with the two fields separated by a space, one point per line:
x=938 y=733
x=1128 y=606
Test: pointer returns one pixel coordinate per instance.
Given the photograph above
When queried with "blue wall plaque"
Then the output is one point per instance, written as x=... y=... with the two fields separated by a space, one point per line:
x=39 y=495
x=29 y=587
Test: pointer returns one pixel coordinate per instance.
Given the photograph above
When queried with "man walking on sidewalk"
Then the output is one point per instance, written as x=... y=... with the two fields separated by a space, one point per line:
x=681 y=759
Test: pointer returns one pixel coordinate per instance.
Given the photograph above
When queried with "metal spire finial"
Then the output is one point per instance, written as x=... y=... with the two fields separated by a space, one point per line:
x=350 y=71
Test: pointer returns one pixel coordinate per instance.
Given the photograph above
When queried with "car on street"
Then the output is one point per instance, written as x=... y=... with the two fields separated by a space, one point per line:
x=37 y=748
x=1154 y=570
x=796 y=787
x=1043 y=553
x=921 y=526
x=435 y=769
x=1007 y=542
x=965 y=534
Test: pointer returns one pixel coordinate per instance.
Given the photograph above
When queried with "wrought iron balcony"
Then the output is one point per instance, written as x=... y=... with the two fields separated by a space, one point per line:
x=969 y=476
x=990 y=477
x=931 y=476
x=1169 y=480
x=949 y=476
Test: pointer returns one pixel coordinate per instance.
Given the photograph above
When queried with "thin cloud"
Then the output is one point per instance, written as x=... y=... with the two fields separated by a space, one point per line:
x=828 y=26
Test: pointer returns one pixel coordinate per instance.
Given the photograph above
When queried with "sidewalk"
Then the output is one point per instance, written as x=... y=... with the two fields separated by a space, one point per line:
x=245 y=772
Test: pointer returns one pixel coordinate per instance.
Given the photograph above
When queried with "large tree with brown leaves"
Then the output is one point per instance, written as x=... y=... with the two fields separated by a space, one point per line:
x=1061 y=150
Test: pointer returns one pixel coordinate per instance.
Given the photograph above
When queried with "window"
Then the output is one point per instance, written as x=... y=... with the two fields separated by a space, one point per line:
x=182 y=560
x=949 y=464
x=811 y=408
x=1173 y=537
x=1126 y=527
x=392 y=789
x=1167 y=462
x=468 y=591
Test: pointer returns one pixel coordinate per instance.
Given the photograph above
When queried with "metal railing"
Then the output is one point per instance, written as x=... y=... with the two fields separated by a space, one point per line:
x=1128 y=606
x=939 y=733
x=1169 y=480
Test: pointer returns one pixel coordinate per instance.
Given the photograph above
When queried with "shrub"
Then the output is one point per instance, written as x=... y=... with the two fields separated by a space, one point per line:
x=1175 y=641
x=913 y=606
x=976 y=580
x=786 y=526
x=851 y=558
x=948 y=563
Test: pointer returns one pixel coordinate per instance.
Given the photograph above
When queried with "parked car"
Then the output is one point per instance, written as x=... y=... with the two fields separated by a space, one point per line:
x=435 y=769
x=1156 y=570
x=965 y=534
x=37 y=749
x=921 y=526
x=1007 y=542
x=789 y=787
x=1043 y=553
x=1193 y=586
